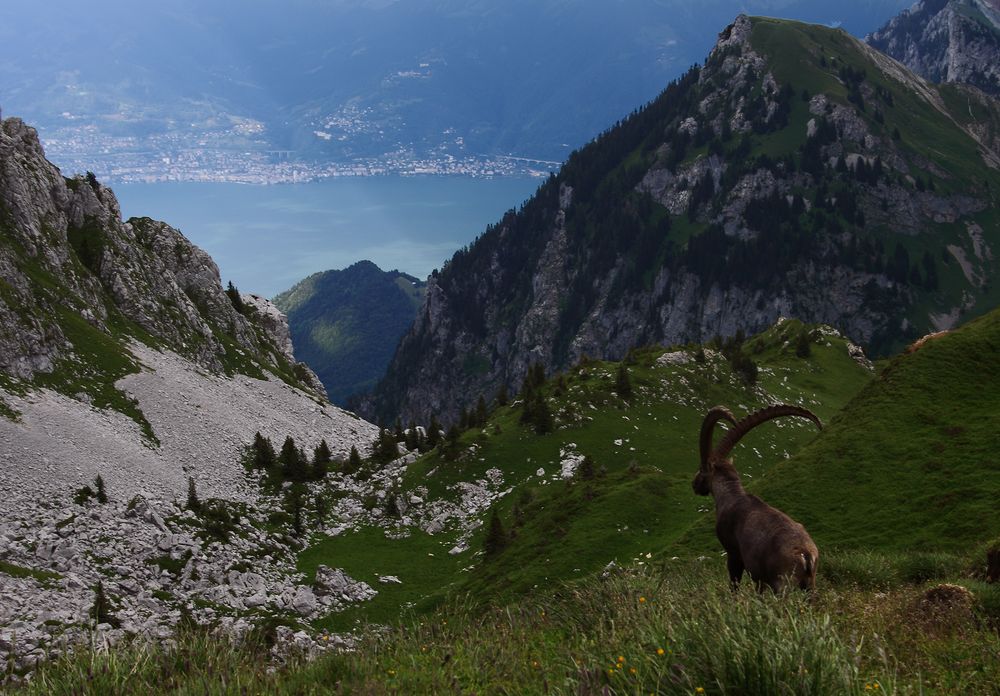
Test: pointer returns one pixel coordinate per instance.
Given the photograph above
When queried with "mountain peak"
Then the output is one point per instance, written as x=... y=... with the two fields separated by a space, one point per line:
x=947 y=41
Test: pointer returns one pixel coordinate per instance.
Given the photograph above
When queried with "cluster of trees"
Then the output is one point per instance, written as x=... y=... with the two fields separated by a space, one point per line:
x=291 y=464
x=734 y=350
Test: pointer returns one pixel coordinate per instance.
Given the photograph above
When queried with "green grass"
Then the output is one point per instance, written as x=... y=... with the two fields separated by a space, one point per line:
x=910 y=463
x=641 y=504
x=635 y=632
x=420 y=561
x=16 y=571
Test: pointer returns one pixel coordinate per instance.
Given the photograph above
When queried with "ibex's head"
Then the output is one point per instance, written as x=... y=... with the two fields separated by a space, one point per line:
x=702 y=483
x=713 y=458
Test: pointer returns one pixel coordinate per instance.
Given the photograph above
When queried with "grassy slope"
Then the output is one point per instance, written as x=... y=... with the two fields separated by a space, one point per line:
x=911 y=462
x=573 y=529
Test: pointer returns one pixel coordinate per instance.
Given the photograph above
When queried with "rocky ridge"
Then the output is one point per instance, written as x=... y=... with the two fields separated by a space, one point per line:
x=779 y=179
x=947 y=41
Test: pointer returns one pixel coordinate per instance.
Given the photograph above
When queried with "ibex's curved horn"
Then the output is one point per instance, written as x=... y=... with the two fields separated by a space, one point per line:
x=756 y=418
x=707 y=428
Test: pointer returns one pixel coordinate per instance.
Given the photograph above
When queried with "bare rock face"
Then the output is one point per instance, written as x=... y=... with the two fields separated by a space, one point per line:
x=946 y=41
x=65 y=249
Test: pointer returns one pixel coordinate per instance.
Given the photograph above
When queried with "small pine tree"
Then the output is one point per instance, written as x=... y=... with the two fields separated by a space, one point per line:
x=102 y=495
x=235 y=298
x=321 y=503
x=542 y=417
x=353 y=462
x=83 y=495
x=585 y=470
x=292 y=460
x=502 y=396
x=385 y=449
x=397 y=431
x=451 y=442
x=433 y=433
x=392 y=507
x=803 y=345
x=100 y=612
x=412 y=439
x=496 y=537
x=463 y=419
x=263 y=453
x=481 y=414
x=623 y=385
x=322 y=457
x=193 y=504
x=295 y=506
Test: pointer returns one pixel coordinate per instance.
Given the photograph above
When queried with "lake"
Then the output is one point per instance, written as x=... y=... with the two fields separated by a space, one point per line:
x=267 y=238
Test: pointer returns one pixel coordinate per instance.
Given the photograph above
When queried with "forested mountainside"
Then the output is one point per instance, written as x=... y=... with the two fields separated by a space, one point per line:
x=947 y=41
x=798 y=172
x=346 y=324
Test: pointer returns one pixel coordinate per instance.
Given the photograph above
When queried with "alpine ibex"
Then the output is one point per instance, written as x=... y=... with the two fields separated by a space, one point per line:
x=765 y=542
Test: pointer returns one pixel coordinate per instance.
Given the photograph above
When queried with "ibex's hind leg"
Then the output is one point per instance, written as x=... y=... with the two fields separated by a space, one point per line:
x=736 y=567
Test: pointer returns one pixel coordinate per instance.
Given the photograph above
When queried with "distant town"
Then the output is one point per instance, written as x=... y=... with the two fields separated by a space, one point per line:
x=219 y=157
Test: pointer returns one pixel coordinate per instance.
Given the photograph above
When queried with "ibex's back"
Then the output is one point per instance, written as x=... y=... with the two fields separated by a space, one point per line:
x=767 y=543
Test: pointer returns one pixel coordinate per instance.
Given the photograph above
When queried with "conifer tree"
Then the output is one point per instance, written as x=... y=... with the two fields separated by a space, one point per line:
x=623 y=385
x=235 y=298
x=353 y=462
x=295 y=506
x=502 y=396
x=321 y=503
x=412 y=439
x=263 y=453
x=542 y=416
x=392 y=506
x=193 y=504
x=102 y=495
x=463 y=419
x=481 y=414
x=433 y=433
x=291 y=461
x=385 y=449
x=496 y=537
x=586 y=469
x=100 y=612
x=397 y=431
x=451 y=442
x=321 y=460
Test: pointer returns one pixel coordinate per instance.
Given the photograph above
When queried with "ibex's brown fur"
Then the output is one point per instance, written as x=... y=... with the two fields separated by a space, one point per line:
x=765 y=542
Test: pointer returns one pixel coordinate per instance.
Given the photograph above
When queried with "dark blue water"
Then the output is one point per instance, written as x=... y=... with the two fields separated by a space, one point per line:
x=266 y=238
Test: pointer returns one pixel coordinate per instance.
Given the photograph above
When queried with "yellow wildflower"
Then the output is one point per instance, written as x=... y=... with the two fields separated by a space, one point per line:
x=642 y=599
x=660 y=651
x=621 y=658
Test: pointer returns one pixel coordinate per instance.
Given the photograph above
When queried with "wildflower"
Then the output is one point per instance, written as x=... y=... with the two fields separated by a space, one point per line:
x=699 y=690
x=392 y=673
x=618 y=665
x=641 y=600
x=660 y=651
x=611 y=672
x=534 y=663
x=631 y=670
x=621 y=658
x=326 y=637
x=868 y=687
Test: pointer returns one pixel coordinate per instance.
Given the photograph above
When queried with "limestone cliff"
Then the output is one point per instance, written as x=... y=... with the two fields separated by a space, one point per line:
x=947 y=41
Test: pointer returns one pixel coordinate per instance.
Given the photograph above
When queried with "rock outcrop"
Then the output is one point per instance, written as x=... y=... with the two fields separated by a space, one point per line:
x=947 y=41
